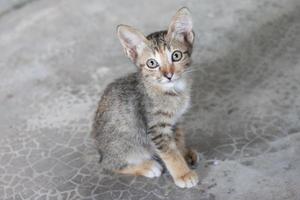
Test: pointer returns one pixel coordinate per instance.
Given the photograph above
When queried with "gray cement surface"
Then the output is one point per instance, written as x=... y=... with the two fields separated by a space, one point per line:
x=57 y=57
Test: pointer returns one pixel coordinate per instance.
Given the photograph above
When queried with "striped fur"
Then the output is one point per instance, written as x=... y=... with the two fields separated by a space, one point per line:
x=137 y=116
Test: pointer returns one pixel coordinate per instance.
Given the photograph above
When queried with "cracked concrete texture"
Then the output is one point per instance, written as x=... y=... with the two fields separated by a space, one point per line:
x=58 y=56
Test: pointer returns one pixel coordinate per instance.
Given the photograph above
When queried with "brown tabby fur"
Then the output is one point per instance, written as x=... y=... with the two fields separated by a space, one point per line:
x=137 y=117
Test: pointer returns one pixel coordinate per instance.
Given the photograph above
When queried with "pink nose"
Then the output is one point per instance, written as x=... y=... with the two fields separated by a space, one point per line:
x=168 y=75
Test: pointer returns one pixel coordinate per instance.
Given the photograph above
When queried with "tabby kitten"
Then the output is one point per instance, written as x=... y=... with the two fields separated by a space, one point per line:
x=137 y=116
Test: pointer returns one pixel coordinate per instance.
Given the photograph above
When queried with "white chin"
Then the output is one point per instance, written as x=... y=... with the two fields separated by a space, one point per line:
x=177 y=85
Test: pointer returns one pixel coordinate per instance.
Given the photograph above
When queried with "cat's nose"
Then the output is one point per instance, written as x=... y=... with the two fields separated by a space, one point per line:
x=168 y=75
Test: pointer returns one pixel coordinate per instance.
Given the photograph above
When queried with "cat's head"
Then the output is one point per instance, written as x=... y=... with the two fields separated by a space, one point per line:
x=162 y=57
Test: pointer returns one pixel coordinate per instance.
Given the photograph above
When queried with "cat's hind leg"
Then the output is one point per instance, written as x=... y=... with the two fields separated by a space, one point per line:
x=140 y=162
x=147 y=168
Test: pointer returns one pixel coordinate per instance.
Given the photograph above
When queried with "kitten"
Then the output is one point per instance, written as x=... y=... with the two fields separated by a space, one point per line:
x=137 y=116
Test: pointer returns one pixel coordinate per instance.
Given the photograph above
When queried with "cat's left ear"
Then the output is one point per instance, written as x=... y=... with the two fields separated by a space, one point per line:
x=181 y=26
x=132 y=40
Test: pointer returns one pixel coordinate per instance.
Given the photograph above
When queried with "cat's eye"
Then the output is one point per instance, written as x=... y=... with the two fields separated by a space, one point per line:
x=151 y=63
x=176 y=56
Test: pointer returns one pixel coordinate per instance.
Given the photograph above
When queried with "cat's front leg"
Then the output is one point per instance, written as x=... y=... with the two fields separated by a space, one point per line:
x=162 y=136
x=183 y=176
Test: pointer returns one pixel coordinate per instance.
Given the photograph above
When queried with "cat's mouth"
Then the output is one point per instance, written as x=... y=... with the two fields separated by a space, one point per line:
x=164 y=81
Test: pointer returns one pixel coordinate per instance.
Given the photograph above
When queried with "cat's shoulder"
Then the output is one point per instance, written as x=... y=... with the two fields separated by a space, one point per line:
x=125 y=84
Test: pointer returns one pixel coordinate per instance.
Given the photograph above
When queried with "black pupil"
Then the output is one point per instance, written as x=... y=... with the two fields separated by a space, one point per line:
x=152 y=63
x=176 y=56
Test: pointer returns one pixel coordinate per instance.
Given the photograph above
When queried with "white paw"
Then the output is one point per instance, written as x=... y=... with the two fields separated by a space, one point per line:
x=154 y=171
x=188 y=180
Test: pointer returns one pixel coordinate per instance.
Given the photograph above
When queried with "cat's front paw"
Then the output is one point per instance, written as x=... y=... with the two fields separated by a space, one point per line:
x=153 y=170
x=188 y=180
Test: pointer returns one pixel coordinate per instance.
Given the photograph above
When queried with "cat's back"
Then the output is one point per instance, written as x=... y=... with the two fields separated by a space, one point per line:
x=118 y=103
x=123 y=88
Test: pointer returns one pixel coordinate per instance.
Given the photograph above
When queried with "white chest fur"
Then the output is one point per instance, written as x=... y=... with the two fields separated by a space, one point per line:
x=182 y=109
x=176 y=104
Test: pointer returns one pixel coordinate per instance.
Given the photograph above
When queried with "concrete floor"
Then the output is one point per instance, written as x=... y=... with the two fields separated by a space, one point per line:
x=57 y=57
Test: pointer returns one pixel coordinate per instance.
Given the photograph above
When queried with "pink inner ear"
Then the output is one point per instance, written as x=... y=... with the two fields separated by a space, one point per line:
x=189 y=37
x=131 y=53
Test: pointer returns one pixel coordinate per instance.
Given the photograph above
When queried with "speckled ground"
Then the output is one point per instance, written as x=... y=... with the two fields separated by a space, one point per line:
x=57 y=57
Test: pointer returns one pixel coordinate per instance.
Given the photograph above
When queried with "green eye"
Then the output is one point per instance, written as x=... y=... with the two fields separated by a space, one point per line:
x=151 y=63
x=176 y=56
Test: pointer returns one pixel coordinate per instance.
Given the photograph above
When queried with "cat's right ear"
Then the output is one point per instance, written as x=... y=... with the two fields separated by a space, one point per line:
x=132 y=40
x=181 y=26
